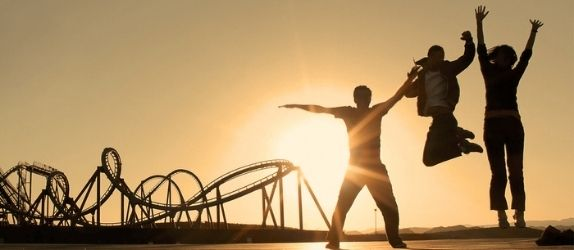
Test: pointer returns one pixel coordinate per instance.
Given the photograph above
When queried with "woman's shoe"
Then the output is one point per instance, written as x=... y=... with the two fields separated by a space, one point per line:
x=503 y=223
x=519 y=217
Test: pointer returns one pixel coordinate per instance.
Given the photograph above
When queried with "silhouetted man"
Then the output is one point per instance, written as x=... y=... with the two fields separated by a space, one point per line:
x=437 y=91
x=365 y=166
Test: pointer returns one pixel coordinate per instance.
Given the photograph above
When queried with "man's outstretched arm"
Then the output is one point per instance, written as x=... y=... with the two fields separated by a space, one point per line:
x=387 y=105
x=308 y=107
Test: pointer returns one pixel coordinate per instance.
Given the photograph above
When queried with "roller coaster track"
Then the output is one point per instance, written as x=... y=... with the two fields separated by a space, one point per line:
x=158 y=198
x=18 y=200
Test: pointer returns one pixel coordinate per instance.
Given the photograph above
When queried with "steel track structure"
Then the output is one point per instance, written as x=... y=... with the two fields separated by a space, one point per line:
x=37 y=194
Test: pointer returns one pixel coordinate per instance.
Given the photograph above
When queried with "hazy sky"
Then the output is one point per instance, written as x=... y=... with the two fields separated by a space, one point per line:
x=196 y=85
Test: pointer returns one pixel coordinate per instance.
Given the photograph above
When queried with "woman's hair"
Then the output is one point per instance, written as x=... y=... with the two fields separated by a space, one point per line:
x=504 y=49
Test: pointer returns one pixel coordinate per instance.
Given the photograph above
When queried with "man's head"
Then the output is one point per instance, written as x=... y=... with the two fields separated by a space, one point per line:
x=502 y=56
x=435 y=56
x=362 y=96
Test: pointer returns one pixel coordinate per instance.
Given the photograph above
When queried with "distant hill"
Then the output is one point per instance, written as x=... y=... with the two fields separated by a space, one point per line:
x=537 y=224
x=448 y=229
x=454 y=232
x=480 y=232
x=544 y=223
x=417 y=230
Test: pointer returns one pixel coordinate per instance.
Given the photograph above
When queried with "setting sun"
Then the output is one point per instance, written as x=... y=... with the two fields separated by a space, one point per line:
x=319 y=146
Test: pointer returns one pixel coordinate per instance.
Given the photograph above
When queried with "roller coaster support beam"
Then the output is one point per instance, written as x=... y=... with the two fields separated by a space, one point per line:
x=316 y=202
x=122 y=209
x=98 y=194
x=267 y=208
x=299 y=199
x=220 y=211
x=281 y=205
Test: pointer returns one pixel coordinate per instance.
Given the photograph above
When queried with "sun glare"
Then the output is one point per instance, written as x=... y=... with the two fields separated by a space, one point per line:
x=319 y=146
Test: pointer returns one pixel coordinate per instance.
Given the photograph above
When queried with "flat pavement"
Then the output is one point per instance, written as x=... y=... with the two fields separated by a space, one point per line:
x=374 y=245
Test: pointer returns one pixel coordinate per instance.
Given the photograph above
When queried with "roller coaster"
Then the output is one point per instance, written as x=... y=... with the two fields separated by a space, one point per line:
x=178 y=198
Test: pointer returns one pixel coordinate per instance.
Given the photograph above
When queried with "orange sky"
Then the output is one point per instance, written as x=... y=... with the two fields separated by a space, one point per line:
x=196 y=85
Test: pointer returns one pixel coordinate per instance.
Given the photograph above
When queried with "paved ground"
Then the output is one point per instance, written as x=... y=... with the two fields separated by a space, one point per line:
x=420 y=245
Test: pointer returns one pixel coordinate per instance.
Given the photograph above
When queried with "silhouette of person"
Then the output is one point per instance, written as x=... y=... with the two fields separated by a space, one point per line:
x=502 y=124
x=437 y=92
x=365 y=167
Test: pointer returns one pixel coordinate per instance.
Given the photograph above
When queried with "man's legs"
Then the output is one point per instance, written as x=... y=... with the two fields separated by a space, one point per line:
x=442 y=142
x=380 y=187
x=349 y=190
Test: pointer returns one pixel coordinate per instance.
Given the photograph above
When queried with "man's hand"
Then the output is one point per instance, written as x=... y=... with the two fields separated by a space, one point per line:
x=480 y=13
x=466 y=36
x=413 y=73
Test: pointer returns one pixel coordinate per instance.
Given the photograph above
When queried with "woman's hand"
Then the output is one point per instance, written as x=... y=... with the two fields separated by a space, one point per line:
x=480 y=13
x=536 y=24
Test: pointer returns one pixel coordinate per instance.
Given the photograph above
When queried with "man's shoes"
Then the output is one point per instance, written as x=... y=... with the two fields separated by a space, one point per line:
x=394 y=243
x=464 y=134
x=332 y=245
x=468 y=147
x=398 y=244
